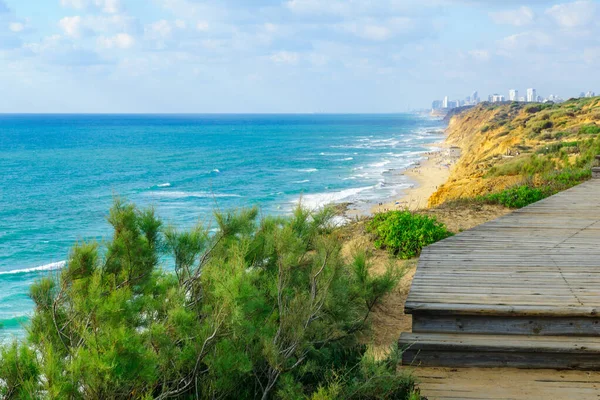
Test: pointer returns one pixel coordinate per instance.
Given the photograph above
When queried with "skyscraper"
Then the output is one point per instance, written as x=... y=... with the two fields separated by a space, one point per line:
x=475 y=97
x=513 y=95
x=445 y=102
x=531 y=95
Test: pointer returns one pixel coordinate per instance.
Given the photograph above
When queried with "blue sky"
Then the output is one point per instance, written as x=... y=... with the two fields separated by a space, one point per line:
x=210 y=56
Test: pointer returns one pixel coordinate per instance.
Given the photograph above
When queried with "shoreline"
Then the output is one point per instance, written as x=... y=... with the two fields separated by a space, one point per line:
x=427 y=175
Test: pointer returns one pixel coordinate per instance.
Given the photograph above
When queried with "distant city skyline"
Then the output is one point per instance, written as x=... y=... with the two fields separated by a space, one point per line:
x=204 y=56
x=513 y=95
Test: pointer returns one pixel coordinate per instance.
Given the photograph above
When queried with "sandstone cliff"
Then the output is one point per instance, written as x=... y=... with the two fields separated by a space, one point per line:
x=496 y=138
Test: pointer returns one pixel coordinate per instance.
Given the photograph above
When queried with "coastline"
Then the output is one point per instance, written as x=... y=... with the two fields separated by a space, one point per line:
x=427 y=175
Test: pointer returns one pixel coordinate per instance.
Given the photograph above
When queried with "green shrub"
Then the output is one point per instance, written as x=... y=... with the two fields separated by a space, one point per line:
x=404 y=234
x=532 y=109
x=259 y=309
x=516 y=197
x=528 y=165
x=589 y=130
x=539 y=126
x=567 y=177
x=556 y=147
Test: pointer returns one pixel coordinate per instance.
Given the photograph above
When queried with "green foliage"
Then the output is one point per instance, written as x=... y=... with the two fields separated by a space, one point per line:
x=260 y=309
x=516 y=197
x=589 y=129
x=19 y=372
x=556 y=147
x=539 y=126
x=528 y=165
x=404 y=234
x=533 y=108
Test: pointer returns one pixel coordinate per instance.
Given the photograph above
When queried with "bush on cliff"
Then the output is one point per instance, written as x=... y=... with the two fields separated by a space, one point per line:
x=404 y=234
x=259 y=309
x=516 y=197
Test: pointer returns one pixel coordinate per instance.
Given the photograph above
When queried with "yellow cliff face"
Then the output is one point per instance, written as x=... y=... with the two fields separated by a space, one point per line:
x=490 y=135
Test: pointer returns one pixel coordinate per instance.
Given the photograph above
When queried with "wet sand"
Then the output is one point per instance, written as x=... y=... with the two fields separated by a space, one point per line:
x=427 y=176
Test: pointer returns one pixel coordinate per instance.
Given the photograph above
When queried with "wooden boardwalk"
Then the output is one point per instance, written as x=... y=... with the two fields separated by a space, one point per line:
x=507 y=384
x=522 y=291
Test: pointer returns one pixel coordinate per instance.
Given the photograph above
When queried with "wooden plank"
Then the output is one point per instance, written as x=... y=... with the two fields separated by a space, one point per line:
x=541 y=260
x=505 y=383
x=508 y=325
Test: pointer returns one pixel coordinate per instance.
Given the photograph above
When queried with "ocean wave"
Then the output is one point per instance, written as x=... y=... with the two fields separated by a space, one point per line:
x=163 y=185
x=380 y=164
x=48 y=267
x=310 y=170
x=216 y=171
x=304 y=181
x=184 y=195
x=346 y=159
x=318 y=200
x=14 y=322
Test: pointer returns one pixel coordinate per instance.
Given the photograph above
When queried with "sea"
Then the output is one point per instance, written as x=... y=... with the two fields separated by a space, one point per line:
x=59 y=175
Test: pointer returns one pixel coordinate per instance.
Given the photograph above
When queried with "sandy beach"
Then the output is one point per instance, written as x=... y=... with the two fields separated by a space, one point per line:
x=427 y=176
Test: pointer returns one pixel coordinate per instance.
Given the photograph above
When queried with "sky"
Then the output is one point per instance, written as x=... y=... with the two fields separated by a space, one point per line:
x=288 y=56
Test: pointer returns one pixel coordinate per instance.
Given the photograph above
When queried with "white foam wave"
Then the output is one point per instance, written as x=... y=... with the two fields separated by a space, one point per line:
x=162 y=185
x=183 y=195
x=310 y=170
x=216 y=171
x=48 y=267
x=318 y=200
x=304 y=181
x=380 y=164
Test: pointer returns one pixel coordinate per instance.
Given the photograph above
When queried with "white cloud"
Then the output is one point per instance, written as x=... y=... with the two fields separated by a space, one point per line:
x=524 y=41
x=285 y=57
x=378 y=30
x=119 y=41
x=160 y=29
x=71 y=26
x=78 y=26
x=480 y=55
x=202 y=26
x=107 y=6
x=574 y=15
x=520 y=17
x=318 y=6
x=76 y=4
x=16 y=27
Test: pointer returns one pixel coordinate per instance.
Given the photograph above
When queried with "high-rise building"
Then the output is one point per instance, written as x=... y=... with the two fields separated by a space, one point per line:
x=475 y=97
x=513 y=95
x=590 y=94
x=522 y=99
x=436 y=105
x=531 y=95
x=582 y=94
x=445 y=104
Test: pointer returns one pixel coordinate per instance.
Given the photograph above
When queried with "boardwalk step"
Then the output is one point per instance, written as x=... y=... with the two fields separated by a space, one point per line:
x=506 y=325
x=462 y=350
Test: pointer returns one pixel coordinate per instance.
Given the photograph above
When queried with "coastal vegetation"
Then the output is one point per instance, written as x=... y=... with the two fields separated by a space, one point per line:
x=404 y=233
x=516 y=154
x=265 y=308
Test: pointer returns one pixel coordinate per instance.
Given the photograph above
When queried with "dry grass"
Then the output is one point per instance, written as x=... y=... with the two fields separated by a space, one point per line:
x=388 y=319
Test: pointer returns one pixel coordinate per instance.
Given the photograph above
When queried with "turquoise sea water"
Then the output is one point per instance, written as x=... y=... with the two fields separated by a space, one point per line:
x=59 y=173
